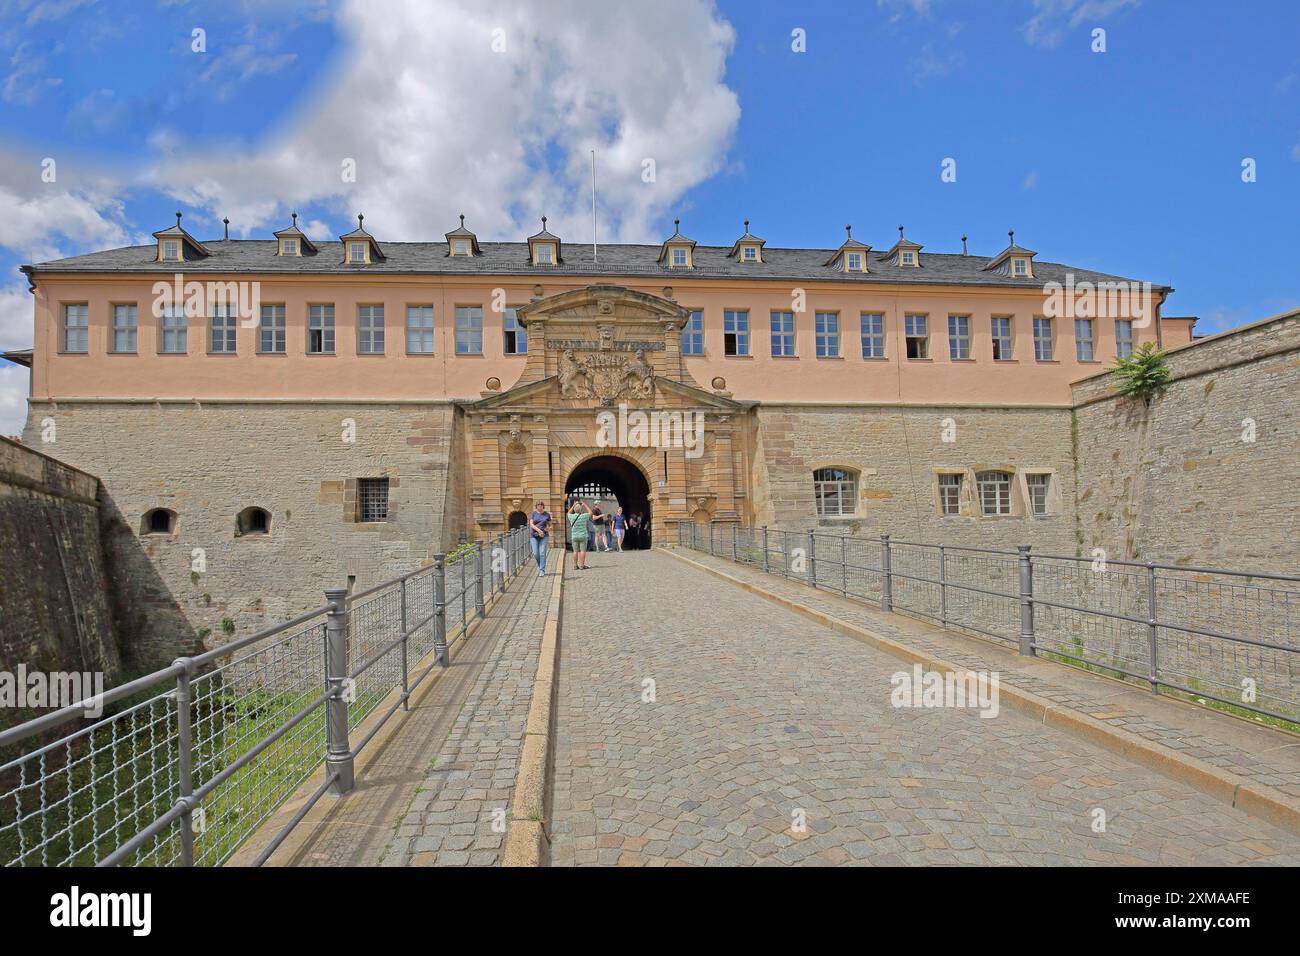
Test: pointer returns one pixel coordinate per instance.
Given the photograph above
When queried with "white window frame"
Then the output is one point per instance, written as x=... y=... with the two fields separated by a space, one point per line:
x=175 y=331
x=950 y=487
x=171 y=250
x=907 y=257
x=1003 y=345
x=1020 y=267
x=994 y=488
x=469 y=329
x=749 y=253
x=511 y=316
x=320 y=319
x=1044 y=344
x=417 y=332
x=875 y=336
x=460 y=247
x=844 y=489
x=826 y=333
x=693 y=333
x=370 y=328
x=545 y=254
x=958 y=337
x=222 y=324
x=678 y=257
x=358 y=253
x=274 y=329
x=782 y=324
x=853 y=262
x=289 y=247
x=1123 y=343
x=1038 y=487
x=128 y=329
x=82 y=327
x=735 y=330
x=910 y=335
x=1085 y=346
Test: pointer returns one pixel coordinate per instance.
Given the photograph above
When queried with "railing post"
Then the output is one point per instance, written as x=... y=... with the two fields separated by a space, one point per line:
x=712 y=550
x=812 y=558
x=844 y=565
x=886 y=575
x=766 y=564
x=185 y=770
x=733 y=542
x=440 y=609
x=1152 y=628
x=406 y=690
x=464 y=596
x=1026 y=602
x=943 y=588
x=338 y=753
x=479 y=606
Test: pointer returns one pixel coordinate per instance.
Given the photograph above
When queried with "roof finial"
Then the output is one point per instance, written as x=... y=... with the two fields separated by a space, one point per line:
x=294 y=216
x=1012 y=234
x=747 y=225
x=963 y=245
x=849 y=229
x=543 y=224
x=361 y=219
x=677 y=224
x=178 y=218
x=900 y=231
x=226 y=222
x=462 y=220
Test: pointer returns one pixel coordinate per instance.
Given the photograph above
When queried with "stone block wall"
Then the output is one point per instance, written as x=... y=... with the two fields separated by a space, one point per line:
x=204 y=582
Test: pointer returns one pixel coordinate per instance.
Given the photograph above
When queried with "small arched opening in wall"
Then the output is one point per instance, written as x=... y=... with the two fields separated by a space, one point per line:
x=158 y=521
x=517 y=519
x=253 y=521
x=623 y=480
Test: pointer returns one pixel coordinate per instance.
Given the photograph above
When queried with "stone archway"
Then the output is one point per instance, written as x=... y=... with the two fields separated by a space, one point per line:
x=628 y=483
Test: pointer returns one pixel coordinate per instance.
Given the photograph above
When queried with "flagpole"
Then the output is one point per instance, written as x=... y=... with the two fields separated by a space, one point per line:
x=594 y=256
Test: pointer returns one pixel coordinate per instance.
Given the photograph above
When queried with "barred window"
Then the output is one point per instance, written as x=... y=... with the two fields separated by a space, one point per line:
x=124 y=327
x=1001 y=338
x=76 y=327
x=1038 y=485
x=469 y=330
x=693 y=334
x=995 y=492
x=836 y=491
x=272 y=337
x=222 y=327
x=950 y=494
x=370 y=329
x=959 y=336
x=873 y=335
x=827 y=332
x=372 y=499
x=916 y=329
x=320 y=329
x=1123 y=338
x=516 y=336
x=782 y=333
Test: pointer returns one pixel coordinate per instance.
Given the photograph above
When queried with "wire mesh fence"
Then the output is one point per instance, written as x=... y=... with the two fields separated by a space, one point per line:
x=179 y=767
x=1227 y=636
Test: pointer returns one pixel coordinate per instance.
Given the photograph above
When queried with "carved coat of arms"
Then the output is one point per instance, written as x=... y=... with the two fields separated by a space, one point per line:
x=605 y=376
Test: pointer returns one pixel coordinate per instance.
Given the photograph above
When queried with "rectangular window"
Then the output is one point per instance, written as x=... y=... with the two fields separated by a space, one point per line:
x=1083 y=350
x=516 y=339
x=1123 y=337
x=222 y=328
x=950 y=494
x=749 y=253
x=171 y=249
x=124 y=327
x=1020 y=268
x=419 y=329
x=679 y=257
x=909 y=258
x=995 y=492
x=271 y=339
x=854 y=262
x=1042 y=339
x=959 y=336
x=545 y=254
x=372 y=499
x=175 y=330
x=76 y=327
x=356 y=252
x=735 y=332
x=461 y=247
x=370 y=329
x=782 y=333
x=917 y=332
x=873 y=335
x=693 y=334
x=469 y=330
x=1038 y=485
x=291 y=247
x=320 y=329
x=827 y=329
x=1001 y=338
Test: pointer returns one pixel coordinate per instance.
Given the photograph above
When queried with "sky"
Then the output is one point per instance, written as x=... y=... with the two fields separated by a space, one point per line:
x=1166 y=148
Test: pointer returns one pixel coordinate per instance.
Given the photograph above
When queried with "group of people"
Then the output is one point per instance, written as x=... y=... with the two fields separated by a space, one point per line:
x=587 y=529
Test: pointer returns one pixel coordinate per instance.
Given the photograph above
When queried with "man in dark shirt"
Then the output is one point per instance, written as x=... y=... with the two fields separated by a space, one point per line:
x=539 y=524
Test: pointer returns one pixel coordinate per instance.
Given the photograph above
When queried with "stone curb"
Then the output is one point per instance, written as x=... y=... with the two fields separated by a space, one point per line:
x=1255 y=799
x=527 y=841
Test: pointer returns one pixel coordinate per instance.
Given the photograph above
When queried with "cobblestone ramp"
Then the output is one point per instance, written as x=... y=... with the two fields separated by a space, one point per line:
x=762 y=719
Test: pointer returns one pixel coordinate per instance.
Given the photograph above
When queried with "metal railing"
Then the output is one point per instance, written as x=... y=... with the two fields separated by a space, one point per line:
x=1228 y=636
x=186 y=762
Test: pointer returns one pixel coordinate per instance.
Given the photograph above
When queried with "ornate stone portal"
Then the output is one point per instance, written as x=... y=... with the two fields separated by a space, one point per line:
x=605 y=391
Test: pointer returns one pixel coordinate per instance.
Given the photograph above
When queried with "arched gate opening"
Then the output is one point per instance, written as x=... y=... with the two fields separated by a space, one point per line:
x=624 y=482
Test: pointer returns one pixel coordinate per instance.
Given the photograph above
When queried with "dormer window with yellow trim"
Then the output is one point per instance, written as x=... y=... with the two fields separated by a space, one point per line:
x=544 y=248
x=908 y=258
x=460 y=247
x=1020 y=267
x=677 y=252
x=360 y=248
x=853 y=262
x=358 y=252
x=171 y=250
x=905 y=253
x=851 y=256
x=289 y=247
x=1014 y=261
x=748 y=248
x=293 y=241
x=177 y=245
x=462 y=242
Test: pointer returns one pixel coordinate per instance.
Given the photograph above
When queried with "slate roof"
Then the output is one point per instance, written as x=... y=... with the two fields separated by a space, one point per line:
x=257 y=256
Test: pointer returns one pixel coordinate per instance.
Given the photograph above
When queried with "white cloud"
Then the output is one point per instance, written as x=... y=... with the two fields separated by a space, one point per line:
x=16 y=316
x=255 y=56
x=439 y=123
x=81 y=209
x=13 y=399
x=26 y=79
x=1052 y=18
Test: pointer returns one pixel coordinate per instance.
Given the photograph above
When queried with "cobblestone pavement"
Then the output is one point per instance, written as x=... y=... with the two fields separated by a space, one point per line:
x=1265 y=755
x=761 y=718
x=458 y=813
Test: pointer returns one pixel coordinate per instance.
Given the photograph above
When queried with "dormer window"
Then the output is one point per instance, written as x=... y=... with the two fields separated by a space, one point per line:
x=460 y=247
x=288 y=247
x=676 y=250
x=171 y=250
x=545 y=254
x=853 y=262
x=294 y=242
x=749 y=253
x=358 y=252
x=1020 y=267
x=360 y=247
x=544 y=248
x=851 y=256
x=177 y=245
x=748 y=248
x=462 y=242
x=680 y=258
x=1014 y=261
x=908 y=257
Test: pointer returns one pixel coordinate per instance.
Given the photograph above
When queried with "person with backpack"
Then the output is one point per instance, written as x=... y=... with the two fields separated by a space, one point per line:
x=579 y=519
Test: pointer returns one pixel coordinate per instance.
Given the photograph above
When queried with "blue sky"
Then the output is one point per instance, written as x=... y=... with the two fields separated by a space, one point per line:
x=1127 y=161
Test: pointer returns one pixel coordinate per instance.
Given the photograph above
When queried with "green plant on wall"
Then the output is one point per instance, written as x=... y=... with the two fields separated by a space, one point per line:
x=1143 y=373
